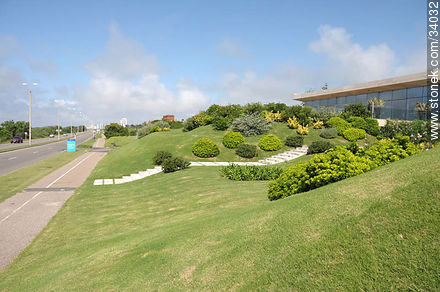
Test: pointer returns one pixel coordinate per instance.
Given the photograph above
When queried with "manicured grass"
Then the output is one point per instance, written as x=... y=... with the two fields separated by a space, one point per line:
x=17 y=181
x=119 y=141
x=136 y=154
x=194 y=230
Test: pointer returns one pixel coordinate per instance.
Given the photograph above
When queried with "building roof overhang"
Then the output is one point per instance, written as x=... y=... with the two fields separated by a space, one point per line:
x=394 y=83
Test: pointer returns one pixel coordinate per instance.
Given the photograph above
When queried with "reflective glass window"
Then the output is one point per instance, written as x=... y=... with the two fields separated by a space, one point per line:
x=386 y=95
x=398 y=109
x=414 y=92
x=399 y=94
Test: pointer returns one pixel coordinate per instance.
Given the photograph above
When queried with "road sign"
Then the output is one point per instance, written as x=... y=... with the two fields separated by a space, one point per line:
x=71 y=145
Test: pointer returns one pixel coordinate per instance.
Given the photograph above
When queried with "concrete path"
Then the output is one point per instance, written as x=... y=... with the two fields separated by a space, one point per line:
x=23 y=216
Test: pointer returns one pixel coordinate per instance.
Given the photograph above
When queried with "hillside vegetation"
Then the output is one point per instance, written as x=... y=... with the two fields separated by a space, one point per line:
x=194 y=229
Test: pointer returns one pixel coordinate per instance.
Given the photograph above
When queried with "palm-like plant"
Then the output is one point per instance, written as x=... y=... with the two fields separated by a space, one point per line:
x=378 y=104
x=422 y=109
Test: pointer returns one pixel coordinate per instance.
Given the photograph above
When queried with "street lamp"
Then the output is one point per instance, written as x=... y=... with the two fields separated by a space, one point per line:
x=30 y=111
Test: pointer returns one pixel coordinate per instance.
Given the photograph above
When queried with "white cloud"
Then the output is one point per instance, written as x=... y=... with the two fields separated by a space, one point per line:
x=126 y=83
x=351 y=61
x=43 y=65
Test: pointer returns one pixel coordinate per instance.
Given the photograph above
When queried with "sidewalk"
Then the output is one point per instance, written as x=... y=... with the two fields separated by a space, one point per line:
x=23 y=216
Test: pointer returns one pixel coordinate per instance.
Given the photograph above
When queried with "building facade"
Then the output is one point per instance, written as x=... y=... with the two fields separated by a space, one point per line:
x=169 y=118
x=401 y=95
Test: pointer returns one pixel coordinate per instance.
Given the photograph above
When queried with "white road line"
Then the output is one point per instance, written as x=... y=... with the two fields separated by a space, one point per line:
x=12 y=158
x=48 y=186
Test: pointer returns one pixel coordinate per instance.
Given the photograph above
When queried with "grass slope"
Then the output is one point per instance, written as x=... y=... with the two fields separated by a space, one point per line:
x=195 y=230
x=136 y=154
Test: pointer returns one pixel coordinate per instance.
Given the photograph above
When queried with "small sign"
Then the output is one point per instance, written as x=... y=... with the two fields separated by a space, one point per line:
x=71 y=145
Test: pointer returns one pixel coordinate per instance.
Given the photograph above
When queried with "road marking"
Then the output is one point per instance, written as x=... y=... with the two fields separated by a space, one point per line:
x=48 y=186
x=12 y=158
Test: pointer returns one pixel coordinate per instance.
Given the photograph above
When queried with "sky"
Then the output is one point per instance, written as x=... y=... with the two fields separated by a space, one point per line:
x=100 y=61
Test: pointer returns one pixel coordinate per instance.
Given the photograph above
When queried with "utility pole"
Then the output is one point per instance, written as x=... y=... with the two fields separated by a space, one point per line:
x=58 y=116
x=30 y=117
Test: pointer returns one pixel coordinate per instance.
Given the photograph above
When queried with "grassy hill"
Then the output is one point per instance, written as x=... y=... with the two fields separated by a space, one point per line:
x=137 y=154
x=196 y=230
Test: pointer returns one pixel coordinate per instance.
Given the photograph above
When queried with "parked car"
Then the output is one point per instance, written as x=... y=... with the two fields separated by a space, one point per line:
x=17 y=139
x=51 y=136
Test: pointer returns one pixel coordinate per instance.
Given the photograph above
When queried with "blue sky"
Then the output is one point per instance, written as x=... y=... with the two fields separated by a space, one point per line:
x=143 y=59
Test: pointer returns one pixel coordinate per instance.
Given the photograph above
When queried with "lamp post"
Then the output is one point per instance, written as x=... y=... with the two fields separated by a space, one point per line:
x=30 y=111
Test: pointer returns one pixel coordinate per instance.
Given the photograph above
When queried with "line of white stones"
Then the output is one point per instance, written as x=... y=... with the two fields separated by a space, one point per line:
x=279 y=158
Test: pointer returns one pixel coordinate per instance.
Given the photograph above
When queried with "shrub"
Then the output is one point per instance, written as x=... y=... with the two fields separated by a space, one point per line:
x=353 y=147
x=205 y=147
x=292 y=123
x=174 y=164
x=319 y=147
x=339 y=124
x=162 y=125
x=332 y=166
x=189 y=125
x=246 y=150
x=372 y=126
x=270 y=143
x=220 y=123
x=246 y=173
x=318 y=125
x=272 y=116
x=253 y=108
x=201 y=119
x=250 y=125
x=302 y=130
x=233 y=139
x=354 y=134
x=324 y=113
x=155 y=129
x=160 y=157
x=329 y=133
x=294 y=141
x=357 y=110
x=358 y=122
x=387 y=151
x=176 y=124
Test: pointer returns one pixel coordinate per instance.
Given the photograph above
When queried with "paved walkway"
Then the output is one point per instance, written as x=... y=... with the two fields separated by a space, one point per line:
x=275 y=159
x=23 y=216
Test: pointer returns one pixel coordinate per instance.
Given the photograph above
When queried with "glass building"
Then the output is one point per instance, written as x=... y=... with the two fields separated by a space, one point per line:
x=400 y=95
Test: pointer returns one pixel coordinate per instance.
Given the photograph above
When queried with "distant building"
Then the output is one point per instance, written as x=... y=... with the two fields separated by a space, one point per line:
x=169 y=118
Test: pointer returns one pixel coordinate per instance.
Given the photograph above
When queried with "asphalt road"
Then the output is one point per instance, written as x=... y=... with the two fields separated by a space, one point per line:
x=34 y=141
x=16 y=159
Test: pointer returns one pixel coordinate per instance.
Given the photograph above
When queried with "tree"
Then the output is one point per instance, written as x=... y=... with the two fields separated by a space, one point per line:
x=114 y=129
x=355 y=110
x=422 y=109
x=5 y=135
x=378 y=104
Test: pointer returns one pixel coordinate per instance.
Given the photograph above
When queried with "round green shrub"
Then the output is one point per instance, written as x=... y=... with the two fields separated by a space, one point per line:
x=329 y=133
x=233 y=139
x=373 y=127
x=354 y=134
x=319 y=147
x=220 y=123
x=294 y=141
x=270 y=143
x=246 y=151
x=339 y=124
x=205 y=147
x=160 y=156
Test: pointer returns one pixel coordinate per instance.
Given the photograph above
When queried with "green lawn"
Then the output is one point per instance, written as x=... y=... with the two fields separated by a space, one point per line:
x=195 y=230
x=17 y=181
x=136 y=154
x=119 y=141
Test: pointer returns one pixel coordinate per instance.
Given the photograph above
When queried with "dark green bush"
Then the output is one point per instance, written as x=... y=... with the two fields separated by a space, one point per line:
x=251 y=125
x=246 y=173
x=356 y=110
x=358 y=122
x=220 y=123
x=174 y=164
x=354 y=134
x=205 y=147
x=246 y=151
x=294 y=141
x=160 y=156
x=353 y=147
x=270 y=143
x=114 y=129
x=319 y=147
x=329 y=133
x=373 y=127
x=233 y=139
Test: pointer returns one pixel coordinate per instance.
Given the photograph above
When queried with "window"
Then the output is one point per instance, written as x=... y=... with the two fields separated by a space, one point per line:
x=386 y=95
x=350 y=99
x=412 y=113
x=415 y=92
x=399 y=94
x=398 y=110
